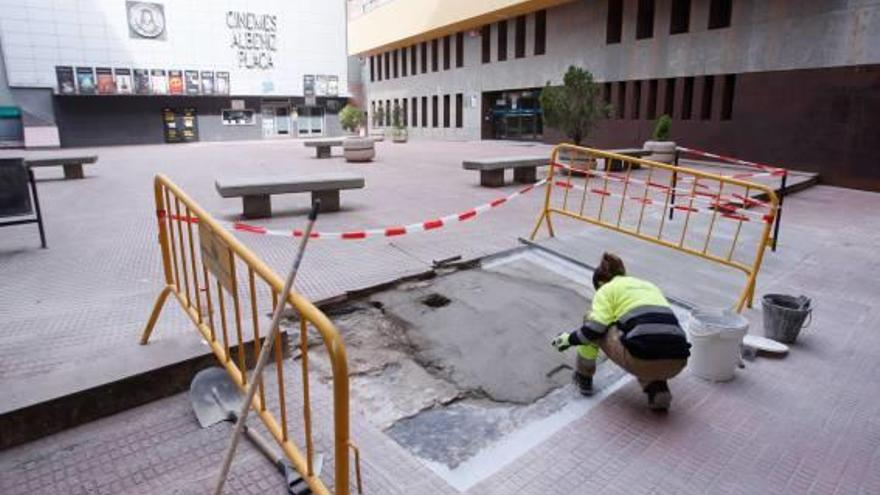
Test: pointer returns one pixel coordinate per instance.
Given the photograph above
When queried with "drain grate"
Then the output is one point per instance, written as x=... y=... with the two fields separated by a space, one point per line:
x=435 y=300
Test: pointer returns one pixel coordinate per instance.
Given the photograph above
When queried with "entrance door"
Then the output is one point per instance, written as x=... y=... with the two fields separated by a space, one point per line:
x=282 y=121
x=268 y=121
x=310 y=121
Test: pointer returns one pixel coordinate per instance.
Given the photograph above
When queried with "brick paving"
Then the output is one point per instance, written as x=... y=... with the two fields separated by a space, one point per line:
x=804 y=424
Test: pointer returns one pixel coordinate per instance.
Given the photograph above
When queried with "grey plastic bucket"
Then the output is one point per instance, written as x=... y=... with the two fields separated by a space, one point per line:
x=784 y=316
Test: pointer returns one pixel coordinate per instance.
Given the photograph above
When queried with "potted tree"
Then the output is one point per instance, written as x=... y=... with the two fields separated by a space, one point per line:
x=355 y=148
x=661 y=148
x=398 y=130
x=377 y=133
x=573 y=108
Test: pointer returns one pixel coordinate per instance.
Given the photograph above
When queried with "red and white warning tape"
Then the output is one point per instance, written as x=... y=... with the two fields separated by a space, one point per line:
x=392 y=231
x=767 y=170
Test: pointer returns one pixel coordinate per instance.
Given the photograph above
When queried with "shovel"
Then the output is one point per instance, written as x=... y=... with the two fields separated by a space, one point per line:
x=215 y=398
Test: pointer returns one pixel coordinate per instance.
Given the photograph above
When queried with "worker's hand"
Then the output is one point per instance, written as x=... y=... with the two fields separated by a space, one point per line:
x=561 y=342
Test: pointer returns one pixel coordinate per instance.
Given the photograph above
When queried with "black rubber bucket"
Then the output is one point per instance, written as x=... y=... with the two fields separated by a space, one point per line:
x=784 y=316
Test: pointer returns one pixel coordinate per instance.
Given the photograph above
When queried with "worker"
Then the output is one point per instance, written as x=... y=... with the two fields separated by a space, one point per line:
x=633 y=324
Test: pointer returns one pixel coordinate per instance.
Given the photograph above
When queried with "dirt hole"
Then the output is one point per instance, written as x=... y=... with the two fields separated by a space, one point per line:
x=435 y=300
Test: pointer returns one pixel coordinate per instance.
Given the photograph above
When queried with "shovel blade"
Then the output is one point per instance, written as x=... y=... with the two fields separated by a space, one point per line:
x=214 y=396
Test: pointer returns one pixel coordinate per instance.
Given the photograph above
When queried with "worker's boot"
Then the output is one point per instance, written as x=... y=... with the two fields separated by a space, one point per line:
x=584 y=383
x=659 y=396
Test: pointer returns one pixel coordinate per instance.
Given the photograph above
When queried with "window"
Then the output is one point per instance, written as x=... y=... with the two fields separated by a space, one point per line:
x=435 y=114
x=687 y=98
x=459 y=110
x=403 y=62
x=614 y=29
x=404 y=115
x=415 y=111
x=606 y=93
x=708 y=89
x=519 y=44
x=424 y=57
x=387 y=57
x=719 y=13
x=486 y=34
x=727 y=97
x=372 y=68
x=459 y=50
x=645 y=20
x=669 y=96
x=445 y=110
x=394 y=63
x=680 y=18
x=238 y=117
x=379 y=67
x=413 y=60
x=540 y=32
x=447 y=52
x=435 y=55
x=637 y=99
x=424 y=111
x=395 y=108
x=651 y=112
x=388 y=112
x=372 y=111
x=502 y=41
x=621 y=99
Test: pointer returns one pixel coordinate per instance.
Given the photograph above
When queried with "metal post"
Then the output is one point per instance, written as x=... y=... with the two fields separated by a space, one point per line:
x=674 y=184
x=779 y=210
x=37 y=207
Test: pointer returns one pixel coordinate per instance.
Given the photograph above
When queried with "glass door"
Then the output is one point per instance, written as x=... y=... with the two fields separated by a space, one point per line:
x=268 y=119
x=282 y=121
x=310 y=121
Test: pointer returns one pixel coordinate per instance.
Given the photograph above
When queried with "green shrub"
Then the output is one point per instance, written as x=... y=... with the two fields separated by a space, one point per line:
x=576 y=106
x=662 y=128
x=351 y=118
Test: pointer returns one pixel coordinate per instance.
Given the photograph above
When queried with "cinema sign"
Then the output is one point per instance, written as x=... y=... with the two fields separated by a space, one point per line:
x=253 y=38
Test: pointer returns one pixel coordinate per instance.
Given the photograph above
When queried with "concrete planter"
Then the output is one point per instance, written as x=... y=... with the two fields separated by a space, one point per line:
x=399 y=135
x=661 y=151
x=357 y=149
x=377 y=134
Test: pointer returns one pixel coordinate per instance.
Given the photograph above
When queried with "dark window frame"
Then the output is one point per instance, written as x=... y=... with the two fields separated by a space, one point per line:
x=387 y=66
x=435 y=111
x=372 y=68
x=645 y=19
x=519 y=37
x=653 y=88
x=727 y=96
x=414 y=102
x=607 y=90
x=447 y=104
x=486 y=35
x=669 y=97
x=680 y=17
x=614 y=24
x=435 y=55
x=388 y=113
x=707 y=97
x=403 y=62
x=447 y=52
x=404 y=111
x=425 y=112
x=459 y=49
x=502 y=40
x=687 y=98
x=395 y=64
x=540 y=32
x=414 y=63
x=720 y=13
x=459 y=110
x=636 y=110
x=621 y=99
x=424 y=57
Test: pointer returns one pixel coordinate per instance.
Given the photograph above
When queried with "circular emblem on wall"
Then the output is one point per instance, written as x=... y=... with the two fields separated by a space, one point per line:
x=147 y=20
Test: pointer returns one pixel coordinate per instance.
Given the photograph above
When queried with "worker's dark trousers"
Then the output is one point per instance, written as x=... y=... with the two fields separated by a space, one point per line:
x=646 y=371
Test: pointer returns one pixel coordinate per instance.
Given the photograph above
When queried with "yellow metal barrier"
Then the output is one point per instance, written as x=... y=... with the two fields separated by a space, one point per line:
x=635 y=199
x=201 y=271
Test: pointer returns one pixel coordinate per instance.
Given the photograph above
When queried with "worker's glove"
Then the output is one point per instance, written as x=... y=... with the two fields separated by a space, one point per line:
x=561 y=342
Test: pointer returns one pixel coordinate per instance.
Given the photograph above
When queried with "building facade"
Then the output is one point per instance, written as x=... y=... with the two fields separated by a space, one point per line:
x=778 y=81
x=100 y=72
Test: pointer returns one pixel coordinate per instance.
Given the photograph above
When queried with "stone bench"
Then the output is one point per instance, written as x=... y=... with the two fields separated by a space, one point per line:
x=256 y=192
x=525 y=169
x=323 y=146
x=73 y=165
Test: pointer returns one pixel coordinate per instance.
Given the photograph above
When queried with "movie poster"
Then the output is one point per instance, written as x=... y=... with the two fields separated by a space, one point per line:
x=66 y=80
x=191 y=78
x=175 y=82
x=169 y=123
x=106 y=84
x=189 y=125
x=321 y=85
x=332 y=85
x=158 y=82
x=207 y=82
x=221 y=83
x=308 y=85
x=142 y=82
x=123 y=81
x=85 y=80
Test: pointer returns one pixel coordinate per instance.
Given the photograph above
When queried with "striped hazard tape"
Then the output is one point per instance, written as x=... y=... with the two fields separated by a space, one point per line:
x=392 y=231
x=767 y=170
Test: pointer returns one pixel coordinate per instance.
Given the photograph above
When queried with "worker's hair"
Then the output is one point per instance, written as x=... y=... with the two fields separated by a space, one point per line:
x=610 y=267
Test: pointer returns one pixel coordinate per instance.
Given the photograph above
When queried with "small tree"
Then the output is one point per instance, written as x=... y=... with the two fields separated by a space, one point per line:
x=575 y=106
x=396 y=118
x=379 y=117
x=662 y=128
x=351 y=118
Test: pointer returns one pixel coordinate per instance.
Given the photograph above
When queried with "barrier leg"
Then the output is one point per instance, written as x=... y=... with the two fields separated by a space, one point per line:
x=545 y=215
x=157 y=309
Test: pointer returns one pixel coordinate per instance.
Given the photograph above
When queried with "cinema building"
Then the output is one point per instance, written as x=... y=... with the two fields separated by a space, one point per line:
x=784 y=82
x=108 y=72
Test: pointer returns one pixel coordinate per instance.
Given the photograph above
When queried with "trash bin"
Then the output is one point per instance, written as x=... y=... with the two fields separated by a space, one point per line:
x=715 y=336
x=784 y=316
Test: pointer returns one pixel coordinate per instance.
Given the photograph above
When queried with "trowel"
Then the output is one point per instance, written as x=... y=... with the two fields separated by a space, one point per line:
x=215 y=398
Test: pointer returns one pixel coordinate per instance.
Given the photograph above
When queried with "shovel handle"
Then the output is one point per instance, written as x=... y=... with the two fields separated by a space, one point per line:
x=262 y=445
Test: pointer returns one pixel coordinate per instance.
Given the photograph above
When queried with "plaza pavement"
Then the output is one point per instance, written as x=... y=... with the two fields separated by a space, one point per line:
x=804 y=424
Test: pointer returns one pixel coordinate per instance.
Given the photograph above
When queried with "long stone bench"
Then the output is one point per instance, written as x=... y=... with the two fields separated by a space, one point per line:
x=525 y=169
x=73 y=165
x=323 y=146
x=256 y=192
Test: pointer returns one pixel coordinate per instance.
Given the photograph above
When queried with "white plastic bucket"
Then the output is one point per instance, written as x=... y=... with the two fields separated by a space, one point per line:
x=715 y=336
